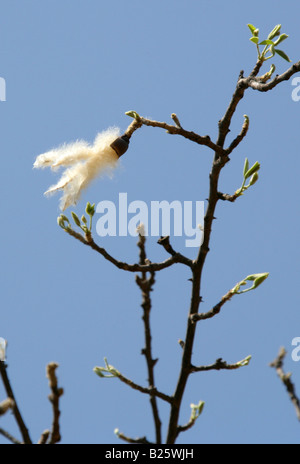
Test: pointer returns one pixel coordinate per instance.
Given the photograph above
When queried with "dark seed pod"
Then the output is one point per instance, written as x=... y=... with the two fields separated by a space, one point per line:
x=120 y=145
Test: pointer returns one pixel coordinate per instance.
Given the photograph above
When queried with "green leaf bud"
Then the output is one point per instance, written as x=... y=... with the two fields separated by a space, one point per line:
x=252 y=28
x=90 y=209
x=281 y=38
x=133 y=114
x=275 y=32
x=76 y=219
x=246 y=166
x=252 y=170
x=253 y=179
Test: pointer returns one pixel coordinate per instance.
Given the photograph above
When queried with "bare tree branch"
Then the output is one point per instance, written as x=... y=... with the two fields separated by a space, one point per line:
x=54 y=397
x=215 y=310
x=220 y=160
x=152 y=391
x=286 y=380
x=10 y=437
x=239 y=138
x=150 y=267
x=178 y=130
x=21 y=424
x=265 y=87
x=142 y=440
x=227 y=197
x=221 y=365
x=146 y=286
x=44 y=437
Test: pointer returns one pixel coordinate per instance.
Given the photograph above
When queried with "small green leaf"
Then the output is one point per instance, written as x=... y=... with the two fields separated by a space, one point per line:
x=253 y=179
x=257 y=280
x=107 y=372
x=64 y=218
x=61 y=220
x=90 y=209
x=275 y=32
x=271 y=49
x=252 y=170
x=281 y=39
x=246 y=166
x=244 y=362
x=254 y=40
x=133 y=114
x=266 y=42
x=76 y=219
x=283 y=55
x=252 y=28
x=196 y=410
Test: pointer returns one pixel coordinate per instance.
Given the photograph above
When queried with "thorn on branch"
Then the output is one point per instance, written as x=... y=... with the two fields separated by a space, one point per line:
x=181 y=343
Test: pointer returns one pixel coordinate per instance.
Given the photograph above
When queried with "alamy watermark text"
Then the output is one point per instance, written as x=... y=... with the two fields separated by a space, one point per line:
x=159 y=218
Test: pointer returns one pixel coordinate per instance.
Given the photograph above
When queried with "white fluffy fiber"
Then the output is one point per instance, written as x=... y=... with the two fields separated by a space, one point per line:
x=84 y=162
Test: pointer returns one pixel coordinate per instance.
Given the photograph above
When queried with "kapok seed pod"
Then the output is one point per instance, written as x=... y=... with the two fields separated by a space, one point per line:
x=120 y=145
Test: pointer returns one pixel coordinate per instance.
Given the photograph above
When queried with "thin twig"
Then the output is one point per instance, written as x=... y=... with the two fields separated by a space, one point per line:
x=152 y=391
x=21 y=424
x=146 y=286
x=54 y=397
x=151 y=267
x=184 y=133
x=239 y=138
x=136 y=124
x=286 y=380
x=165 y=242
x=10 y=437
x=142 y=440
x=221 y=365
x=215 y=310
x=44 y=437
x=227 y=197
x=265 y=87
x=184 y=428
x=220 y=160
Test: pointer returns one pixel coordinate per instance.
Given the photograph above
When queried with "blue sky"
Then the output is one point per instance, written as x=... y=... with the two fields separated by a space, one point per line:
x=72 y=69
